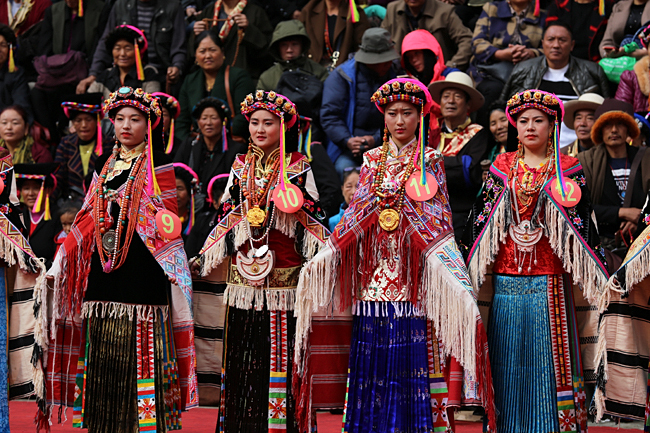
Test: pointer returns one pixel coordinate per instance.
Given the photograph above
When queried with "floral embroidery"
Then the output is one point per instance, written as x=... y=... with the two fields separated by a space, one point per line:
x=491 y=191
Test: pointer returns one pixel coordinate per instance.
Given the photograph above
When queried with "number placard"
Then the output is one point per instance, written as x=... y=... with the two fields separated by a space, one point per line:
x=419 y=192
x=168 y=224
x=573 y=192
x=289 y=201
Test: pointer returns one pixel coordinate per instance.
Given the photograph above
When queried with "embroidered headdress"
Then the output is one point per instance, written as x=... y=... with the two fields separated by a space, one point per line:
x=174 y=107
x=282 y=107
x=412 y=91
x=549 y=104
x=222 y=178
x=90 y=103
x=149 y=105
x=191 y=181
x=43 y=173
x=134 y=35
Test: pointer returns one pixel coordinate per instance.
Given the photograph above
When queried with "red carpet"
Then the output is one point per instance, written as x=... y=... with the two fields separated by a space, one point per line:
x=204 y=420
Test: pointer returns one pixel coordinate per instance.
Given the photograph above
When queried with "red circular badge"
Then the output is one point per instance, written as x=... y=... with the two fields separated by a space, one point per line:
x=419 y=192
x=2 y=185
x=168 y=224
x=290 y=200
x=572 y=194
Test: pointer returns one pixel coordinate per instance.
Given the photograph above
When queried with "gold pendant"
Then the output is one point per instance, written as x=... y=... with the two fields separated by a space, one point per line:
x=256 y=216
x=389 y=219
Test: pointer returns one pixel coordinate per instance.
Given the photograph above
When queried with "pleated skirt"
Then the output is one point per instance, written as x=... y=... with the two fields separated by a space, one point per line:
x=111 y=394
x=388 y=382
x=521 y=355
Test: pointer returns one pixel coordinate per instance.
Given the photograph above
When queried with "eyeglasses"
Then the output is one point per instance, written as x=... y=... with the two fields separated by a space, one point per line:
x=348 y=169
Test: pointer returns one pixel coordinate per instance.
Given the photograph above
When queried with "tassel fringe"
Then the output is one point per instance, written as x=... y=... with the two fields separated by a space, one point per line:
x=12 y=63
x=117 y=310
x=247 y=298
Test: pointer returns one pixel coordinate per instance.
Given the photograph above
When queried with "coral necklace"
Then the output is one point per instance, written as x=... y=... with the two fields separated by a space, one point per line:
x=256 y=197
x=393 y=203
x=111 y=253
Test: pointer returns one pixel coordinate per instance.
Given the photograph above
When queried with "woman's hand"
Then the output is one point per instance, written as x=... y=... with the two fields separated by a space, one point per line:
x=173 y=74
x=241 y=20
x=195 y=266
x=505 y=54
x=84 y=84
x=200 y=27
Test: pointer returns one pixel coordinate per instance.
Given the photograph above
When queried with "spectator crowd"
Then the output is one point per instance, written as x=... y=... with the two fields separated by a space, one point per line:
x=59 y=61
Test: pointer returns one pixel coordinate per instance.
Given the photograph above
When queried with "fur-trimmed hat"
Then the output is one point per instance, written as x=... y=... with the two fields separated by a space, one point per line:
x=614 y=111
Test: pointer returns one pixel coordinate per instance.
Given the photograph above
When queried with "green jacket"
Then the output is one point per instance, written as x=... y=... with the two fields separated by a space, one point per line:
x=193 y=90
x=289 y=29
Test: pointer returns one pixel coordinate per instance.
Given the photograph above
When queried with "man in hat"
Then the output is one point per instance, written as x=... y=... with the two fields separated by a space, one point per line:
x=350 y=120
x=579 y=116
x=617 y=174
x=439 y=19
x=463 y=144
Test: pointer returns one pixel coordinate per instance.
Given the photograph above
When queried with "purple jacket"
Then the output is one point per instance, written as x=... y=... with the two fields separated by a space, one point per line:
x=635 y=85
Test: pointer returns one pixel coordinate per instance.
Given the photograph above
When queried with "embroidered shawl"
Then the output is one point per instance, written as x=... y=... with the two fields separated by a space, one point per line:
x=572 y=235
x=232 y=220
x=432 y=270
x=71 y=269
x=623 y=344
x=24 y=369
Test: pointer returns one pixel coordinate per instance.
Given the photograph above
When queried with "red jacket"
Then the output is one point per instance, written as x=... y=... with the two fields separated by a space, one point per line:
x=34 y=15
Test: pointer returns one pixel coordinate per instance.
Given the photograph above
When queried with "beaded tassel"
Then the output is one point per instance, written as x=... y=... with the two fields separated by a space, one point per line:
x=536 y=8
x=224 y=138
x=170 y=141
x=422 y=144
x=558 y=165
x=601 y=7
x=308 y=144
x=190 y=224
x=100 y=142
x=152 y=184
x=81 y=8
x=283 y=169
x=38 y=205
x=354 y=13
x=48 y=214
x=138 y=62
x=12 y=63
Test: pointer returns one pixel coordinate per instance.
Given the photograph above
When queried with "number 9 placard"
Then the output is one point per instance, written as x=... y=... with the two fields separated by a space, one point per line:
x=290 y=200
x=573 y=192
x=418 y=192
x=168 y=224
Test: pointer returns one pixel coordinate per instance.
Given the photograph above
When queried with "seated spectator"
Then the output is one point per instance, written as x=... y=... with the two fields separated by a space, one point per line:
x=332 y=33
x=66 y=216
x=579 y=116
x=206 y=219
x=289 y=47
x=163 y=26
x=122 y=43
x=171 y=109
x=15 y=137
x=498 y=128
x=558 y=72
x=210 y=80
x=13 y=84
x=22 y=16
x=247 y=49
x=347 y=115
x=349 y=187
x=634 y=87
x=462 y=143
x=586 y=23
x=617 y=174
x=627 y=17
x=35 y=182
x=422 y=58
x=438 y=18
x=506 y=33
x=68 y=26
x=78 y=151
x=211 y=153
x=187 y=183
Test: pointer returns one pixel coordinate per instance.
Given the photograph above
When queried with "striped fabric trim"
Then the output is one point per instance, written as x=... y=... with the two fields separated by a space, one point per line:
x=278 y=373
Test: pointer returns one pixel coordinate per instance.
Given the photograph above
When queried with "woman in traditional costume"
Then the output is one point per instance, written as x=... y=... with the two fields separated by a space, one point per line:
x=624 y=337
x=271 y=223
x=393 y=257
x=536 y=232
x=121 y=348
x=21 y=374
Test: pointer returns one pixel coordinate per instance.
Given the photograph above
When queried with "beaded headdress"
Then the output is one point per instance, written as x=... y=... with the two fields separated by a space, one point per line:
x=43 y=173
x=211 y=184
x=222 y=109
x=149 y=105
x=130 y=33
x=192 y=189
x=174 y=107
x=549 y=104
x=70 y=107
x=282 y=107
x=413 y=91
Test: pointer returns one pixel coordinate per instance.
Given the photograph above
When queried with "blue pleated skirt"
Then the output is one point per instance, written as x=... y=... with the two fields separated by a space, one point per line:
x=521 y=355
x=388 y=384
